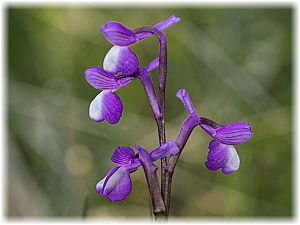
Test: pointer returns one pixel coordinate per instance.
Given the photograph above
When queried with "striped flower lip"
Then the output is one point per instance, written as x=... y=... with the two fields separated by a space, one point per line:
x=221 y=156
x=106 y=106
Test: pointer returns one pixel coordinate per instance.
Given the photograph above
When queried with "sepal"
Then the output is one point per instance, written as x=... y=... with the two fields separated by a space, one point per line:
x=118 y=34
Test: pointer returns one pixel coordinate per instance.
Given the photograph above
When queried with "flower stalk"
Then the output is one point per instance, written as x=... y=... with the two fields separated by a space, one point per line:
x=150 y=92
x=186 y=129
x=162 y=79
x=158 y=207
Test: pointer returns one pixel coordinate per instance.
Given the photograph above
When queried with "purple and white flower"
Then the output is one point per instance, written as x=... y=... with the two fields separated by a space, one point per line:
x=120 y=67
x=222 y=154
x=117 y=185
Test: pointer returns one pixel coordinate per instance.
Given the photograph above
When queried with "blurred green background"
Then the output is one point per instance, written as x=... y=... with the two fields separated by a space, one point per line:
x=236 y=64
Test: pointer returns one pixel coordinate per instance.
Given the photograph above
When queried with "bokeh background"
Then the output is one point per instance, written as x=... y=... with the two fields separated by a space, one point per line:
x=236 y=64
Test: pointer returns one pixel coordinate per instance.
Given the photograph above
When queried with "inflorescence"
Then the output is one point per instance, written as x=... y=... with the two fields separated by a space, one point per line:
x=121 y=66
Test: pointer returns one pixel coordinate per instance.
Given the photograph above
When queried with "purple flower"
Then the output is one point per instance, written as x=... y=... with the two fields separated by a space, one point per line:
x=120 y=67
x=116 y=185
x=118 y=34
x=222 y=153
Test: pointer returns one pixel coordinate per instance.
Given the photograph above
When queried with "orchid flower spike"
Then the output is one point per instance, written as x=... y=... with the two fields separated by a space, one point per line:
x=118 y=34
x=117 y=185
x=222 y=154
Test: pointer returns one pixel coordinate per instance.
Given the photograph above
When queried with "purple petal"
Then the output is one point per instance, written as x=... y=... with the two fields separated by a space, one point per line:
x=222 y=156
x=161 y=26
x=216 y=157
x=101 y=79
x=153 y=65
x=184 y=97
x=118 y=34
x=106 y=105
x=121 y=61
x=168 y=22
x=116 y=186
x=122 y=155
x=233 y=134
x=169 y=148
x=113 y=108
